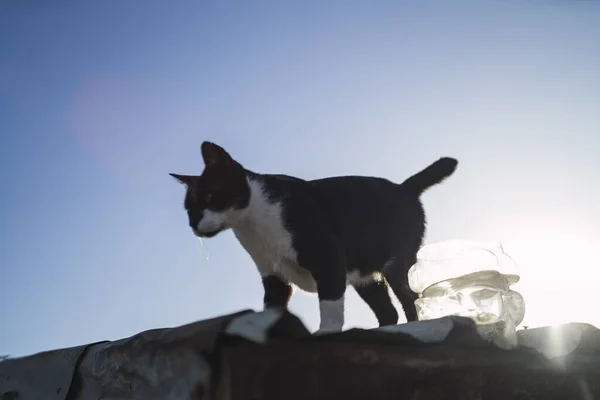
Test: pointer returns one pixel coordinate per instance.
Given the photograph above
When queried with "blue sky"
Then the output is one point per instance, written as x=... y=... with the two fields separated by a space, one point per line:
x=101 y=100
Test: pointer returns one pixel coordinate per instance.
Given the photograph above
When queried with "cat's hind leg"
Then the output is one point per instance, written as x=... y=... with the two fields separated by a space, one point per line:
x=396 y=273
x=377 y=297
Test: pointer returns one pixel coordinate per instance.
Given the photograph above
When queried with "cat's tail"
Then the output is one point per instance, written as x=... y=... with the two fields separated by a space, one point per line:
x=432 y=175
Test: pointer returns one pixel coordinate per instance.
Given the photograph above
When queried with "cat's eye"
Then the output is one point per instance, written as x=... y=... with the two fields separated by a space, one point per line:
x=208 y=198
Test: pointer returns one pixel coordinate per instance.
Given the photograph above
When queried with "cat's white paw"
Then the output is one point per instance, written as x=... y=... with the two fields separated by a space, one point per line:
x=332 y=315
x=325 y=331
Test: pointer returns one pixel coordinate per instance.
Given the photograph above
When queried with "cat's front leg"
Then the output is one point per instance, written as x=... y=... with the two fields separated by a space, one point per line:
x=326 y=261
x=277 y=292
x=332 y=315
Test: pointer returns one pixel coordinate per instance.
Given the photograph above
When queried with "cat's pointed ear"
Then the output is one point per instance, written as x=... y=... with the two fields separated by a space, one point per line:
x=215 y=155
x=183 y=179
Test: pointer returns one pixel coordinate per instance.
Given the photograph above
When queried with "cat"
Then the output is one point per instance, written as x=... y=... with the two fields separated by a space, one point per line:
x=320 y=235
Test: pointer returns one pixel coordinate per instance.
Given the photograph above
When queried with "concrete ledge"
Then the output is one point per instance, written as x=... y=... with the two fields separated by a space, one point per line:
x=271 y=355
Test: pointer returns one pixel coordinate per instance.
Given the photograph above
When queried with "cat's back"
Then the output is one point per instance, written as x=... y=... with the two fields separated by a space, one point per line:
x=349 y=199
x=368 y=214
x=354 y=191
x=350 y=193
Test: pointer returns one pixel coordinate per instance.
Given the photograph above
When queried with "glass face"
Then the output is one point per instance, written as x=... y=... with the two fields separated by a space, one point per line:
x=483 y=304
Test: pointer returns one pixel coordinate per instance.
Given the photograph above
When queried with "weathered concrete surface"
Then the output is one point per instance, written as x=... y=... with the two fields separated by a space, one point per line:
x=46 y=375
x=271 y=355
x=157 y=364
x=332 y=370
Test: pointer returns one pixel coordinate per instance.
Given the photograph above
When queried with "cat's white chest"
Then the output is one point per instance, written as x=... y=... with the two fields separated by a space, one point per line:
x=269 y=245
x=267 y=241
x=264 y=236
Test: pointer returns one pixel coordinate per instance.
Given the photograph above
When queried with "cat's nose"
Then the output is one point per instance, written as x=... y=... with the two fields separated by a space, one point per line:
x=195 y=219
x=194 y=223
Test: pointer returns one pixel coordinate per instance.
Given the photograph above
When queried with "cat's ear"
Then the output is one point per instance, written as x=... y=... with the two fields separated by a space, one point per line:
x=215 y=155
x=183 y=179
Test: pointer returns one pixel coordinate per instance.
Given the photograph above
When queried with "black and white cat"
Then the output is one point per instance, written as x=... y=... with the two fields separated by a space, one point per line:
x=319 y=235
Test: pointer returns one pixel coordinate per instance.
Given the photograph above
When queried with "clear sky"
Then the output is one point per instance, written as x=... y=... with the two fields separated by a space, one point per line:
x=100 y=100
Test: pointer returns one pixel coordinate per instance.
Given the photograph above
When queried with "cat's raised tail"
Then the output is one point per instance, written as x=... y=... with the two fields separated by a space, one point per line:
x=432 y=175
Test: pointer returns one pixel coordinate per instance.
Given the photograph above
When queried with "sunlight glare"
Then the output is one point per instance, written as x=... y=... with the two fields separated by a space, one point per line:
x=554 y=267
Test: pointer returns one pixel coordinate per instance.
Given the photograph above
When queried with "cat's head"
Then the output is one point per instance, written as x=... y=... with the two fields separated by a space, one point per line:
x=215 y=198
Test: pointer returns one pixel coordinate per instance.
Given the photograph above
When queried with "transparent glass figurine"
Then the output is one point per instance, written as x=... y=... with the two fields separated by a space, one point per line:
x=470 y=279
